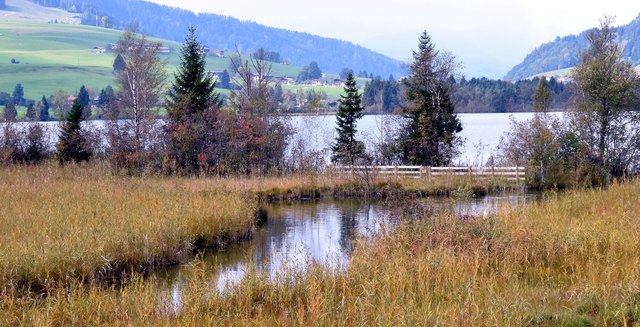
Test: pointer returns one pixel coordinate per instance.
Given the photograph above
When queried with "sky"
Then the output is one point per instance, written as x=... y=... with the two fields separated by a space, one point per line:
x=488 y=37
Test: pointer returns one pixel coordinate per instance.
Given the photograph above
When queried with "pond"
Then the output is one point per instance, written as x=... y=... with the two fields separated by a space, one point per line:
x=297 y=235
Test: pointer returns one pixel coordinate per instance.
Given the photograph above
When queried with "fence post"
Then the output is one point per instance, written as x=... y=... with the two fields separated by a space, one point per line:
x=429 y=173
x=395 y=171
x=517 y=175
x=470 y=174
x=420 y=172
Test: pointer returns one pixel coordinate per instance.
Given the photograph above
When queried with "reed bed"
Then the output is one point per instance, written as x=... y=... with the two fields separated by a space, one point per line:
x=64 y=224
x=572 y=260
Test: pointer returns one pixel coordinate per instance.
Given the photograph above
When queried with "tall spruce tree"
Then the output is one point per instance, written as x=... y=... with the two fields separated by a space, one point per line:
x=85 y=100
x=44 y=110
x=542 y=97
x=119 y=64
x=31 y=114
x=348 y=150
x=192 y=103
x=72 y=143
x=10 y=112
x=18 y=95
x=430 y=136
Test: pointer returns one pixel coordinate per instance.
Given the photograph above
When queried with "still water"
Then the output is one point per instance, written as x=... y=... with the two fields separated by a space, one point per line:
x=298 y=235
x=481 y=132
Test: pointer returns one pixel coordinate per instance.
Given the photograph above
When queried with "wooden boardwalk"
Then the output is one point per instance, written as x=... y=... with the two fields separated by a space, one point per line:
x=515 y=173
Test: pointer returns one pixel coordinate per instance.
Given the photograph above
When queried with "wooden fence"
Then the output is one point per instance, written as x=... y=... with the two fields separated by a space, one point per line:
x=515 y=173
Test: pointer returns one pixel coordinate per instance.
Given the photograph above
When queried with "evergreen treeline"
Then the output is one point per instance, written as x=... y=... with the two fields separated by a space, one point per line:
x=225 y=33
x=564 y=52
x=475 y=95
x=486 y=95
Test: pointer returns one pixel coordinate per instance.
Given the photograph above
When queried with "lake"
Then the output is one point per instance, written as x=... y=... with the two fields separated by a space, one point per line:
x=481 y=132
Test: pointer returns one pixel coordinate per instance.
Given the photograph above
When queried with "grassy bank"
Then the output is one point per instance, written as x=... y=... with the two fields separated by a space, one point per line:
x=572 y=260
x=67 y=224
x=329 y=185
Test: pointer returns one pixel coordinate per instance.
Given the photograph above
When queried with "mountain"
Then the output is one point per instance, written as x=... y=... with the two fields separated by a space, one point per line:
x=564 y=52
x=225 y=33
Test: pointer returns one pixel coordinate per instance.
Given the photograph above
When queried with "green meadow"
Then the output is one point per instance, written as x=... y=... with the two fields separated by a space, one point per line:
x=59 y=56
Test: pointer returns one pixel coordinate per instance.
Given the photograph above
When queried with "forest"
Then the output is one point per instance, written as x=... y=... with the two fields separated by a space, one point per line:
x=471 y=96
x=564 y=52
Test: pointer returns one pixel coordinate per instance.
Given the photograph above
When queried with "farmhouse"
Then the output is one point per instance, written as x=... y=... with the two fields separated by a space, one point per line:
x=99 y=50
x=215 y=73
x=339 y=82
x=217 y=53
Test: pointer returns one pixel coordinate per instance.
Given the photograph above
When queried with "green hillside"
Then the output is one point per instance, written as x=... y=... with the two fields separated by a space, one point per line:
x=59 y=56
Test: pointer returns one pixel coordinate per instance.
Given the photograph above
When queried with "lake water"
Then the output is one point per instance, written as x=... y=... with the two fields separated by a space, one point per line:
x=481 y=132
x=300 y=234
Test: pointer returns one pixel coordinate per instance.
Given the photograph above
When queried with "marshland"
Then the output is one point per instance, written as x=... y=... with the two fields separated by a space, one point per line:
x=186 y=191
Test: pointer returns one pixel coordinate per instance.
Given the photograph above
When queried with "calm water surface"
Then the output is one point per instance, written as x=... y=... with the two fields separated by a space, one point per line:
x=481 y=132
x=300 y=234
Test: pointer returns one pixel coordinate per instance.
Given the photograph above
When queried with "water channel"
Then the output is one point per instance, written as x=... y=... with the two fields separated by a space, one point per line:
x=296 y=235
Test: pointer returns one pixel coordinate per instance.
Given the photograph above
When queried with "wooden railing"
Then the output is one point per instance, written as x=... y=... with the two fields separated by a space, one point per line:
x=515 y=173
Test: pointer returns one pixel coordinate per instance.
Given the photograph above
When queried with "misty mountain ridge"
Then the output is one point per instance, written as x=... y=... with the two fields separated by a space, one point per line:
x=564 y=52
x=225 y=33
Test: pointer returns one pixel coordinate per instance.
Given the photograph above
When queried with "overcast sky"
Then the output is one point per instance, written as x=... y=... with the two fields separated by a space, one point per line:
x=487 y=36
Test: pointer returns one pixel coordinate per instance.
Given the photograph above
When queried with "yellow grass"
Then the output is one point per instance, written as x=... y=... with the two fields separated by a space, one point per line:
x=572 y=260
x=63 y=224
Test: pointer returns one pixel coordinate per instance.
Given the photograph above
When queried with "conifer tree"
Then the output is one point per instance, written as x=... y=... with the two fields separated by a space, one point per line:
x=18 y=94
x=347 y=150
x=119 y=64
x=542 y=97
x=72 y=144
x=85 y=100
x=44 y=110
x=192 y=90
x=430 y=135
x=192 y=105
x=31 y=112
x=10 y=113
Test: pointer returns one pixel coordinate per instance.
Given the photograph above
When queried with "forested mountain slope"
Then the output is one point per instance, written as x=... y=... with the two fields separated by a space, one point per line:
x=564 y=52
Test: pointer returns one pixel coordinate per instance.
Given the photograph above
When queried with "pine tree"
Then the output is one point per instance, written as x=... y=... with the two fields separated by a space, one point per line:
x=10 y=112
x=542 y=97
x=72 y=144
x=119 y=64
x=192 y=90
x=31 y=112
x=347 y=150
x=106 y=97
x=44 y=110
x=225 y=80
x=191 y=107
x=430 y=135
x=18 y=94
x=85 y=100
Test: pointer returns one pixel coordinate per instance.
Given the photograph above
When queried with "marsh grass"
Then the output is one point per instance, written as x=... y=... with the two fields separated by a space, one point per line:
x=297 y=187
x=65 y=224
x=571 y=260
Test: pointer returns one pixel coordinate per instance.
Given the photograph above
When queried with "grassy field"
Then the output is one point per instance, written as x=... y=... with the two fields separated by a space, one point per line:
x=63 y=224
x=59 y=56
x=571 y=260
